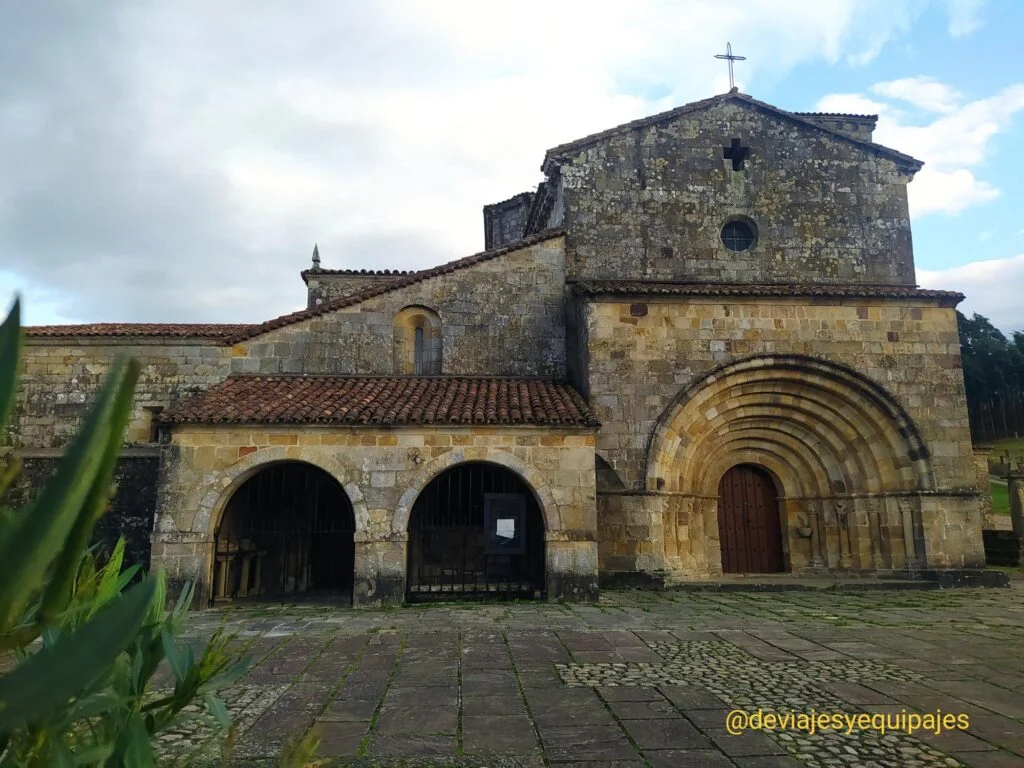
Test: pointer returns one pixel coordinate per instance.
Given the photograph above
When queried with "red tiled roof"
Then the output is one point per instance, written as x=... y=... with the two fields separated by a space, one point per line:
x=645 y=287
x=235 y=332
x=358 y=400
x=554 y=154
x=191 y=330
x=393 y=285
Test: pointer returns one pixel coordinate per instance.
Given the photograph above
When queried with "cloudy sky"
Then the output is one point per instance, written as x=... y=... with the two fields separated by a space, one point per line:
x=175 y=161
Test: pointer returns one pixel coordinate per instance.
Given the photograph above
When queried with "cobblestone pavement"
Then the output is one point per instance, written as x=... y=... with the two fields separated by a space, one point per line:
x=640 y=679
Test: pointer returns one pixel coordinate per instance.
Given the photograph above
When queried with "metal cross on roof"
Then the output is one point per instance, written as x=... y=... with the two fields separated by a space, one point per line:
x=729 y=55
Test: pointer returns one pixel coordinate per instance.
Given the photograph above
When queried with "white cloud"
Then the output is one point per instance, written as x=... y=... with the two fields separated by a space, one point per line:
x=992 y=288
x=925 y=92
x=964 y=16
x=951 y=144
x=940 y=191
x=152 y=153
x=852 y=103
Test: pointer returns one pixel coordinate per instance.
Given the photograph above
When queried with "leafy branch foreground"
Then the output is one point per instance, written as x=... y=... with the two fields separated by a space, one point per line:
x=88 y=639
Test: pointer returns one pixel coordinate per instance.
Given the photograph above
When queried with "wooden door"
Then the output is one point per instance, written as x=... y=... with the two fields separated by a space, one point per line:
x=748 y=522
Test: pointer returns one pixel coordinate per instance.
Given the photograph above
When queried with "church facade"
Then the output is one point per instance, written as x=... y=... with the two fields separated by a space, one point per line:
x=696 y=349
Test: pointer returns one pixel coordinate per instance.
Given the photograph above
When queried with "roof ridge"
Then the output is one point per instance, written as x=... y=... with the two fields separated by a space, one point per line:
x=836 y=114
x=866 y=290
x=133 y=329
x=392 y=285
x=369 y=272
x=398 y=377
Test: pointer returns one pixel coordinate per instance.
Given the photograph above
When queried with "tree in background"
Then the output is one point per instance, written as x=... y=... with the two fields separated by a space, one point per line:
x=993 y=378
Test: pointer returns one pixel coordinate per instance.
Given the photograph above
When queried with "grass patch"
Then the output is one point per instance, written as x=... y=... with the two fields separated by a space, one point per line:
x=1000 y=499
x=1015 y=445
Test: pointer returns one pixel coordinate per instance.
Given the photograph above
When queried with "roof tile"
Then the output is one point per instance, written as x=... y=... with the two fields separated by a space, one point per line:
x=191 y=330
x=405 y=400
x=645 y=287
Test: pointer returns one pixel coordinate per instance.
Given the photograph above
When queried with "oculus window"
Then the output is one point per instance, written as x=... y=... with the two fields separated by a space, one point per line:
x=739 y=235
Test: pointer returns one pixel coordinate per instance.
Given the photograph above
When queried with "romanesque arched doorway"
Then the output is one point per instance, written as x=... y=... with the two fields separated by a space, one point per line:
x=286 y=532
x=749 y=529
x=476 y=530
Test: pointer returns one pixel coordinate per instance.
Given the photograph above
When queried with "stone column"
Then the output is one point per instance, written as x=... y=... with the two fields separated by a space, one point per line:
x=1016 y=490
x=875 y=530
x=843 y=521
x=186 y=558
x=817 y=535
x=981 y=457
x=571 y=566
x=915 y=555
x=380 y=565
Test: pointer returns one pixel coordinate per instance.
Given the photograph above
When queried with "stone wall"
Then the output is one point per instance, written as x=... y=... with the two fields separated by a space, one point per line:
x=505 y=222
x=131 y=509
x=650 y=203
x=60 y=378
x=323 y=286
x=860 y=127
x=382 y=471
x=899 y=430
x=504 y=316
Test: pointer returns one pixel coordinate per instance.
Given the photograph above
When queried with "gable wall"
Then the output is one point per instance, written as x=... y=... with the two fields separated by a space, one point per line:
x=60 y=378
x=826 y=210
x=501 y=317
x=911 y=349
x=324 y=288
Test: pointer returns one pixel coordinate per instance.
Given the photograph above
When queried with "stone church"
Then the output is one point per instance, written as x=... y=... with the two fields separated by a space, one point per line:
x=697 y=349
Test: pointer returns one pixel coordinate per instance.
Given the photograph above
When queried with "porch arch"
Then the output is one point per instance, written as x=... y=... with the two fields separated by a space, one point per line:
x=476 y=530
x=534 y=479
x=287 y=531
x=223 y=485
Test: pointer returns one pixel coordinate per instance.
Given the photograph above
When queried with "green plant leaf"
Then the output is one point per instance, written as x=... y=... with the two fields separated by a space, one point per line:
x=7 y=475
x=28 y=545
x=55 y=674
x=218 y=710
x=10 y=352
x=156 y=613
x=134 y=749
x=125 y=578
x=118 y=410
x=111 y=579
x=94 y=755
x=175 y=657
x=60 y=755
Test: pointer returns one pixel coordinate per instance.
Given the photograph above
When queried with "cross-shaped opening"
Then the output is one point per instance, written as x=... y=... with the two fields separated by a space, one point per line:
x=737 y=153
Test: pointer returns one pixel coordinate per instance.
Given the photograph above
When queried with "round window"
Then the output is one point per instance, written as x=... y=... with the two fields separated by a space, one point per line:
x=739 y=235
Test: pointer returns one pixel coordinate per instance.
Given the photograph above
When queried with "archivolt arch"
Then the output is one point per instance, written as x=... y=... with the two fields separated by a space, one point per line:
x=820 y=428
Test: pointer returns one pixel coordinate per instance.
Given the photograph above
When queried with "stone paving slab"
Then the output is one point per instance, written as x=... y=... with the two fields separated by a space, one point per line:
x=639 y=679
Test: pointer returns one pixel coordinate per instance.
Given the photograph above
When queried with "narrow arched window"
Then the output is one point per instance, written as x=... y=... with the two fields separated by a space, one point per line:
x=417 y=353
x=417 y=340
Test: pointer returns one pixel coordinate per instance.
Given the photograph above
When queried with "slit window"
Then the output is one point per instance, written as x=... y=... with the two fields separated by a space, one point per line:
x=417 y=352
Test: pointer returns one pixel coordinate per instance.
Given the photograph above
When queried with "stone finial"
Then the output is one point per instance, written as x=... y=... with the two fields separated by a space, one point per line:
x=316 y=256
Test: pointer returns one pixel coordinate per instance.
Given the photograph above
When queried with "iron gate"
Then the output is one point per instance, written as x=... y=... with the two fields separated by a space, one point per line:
x=286 y=532
x=476 y=531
